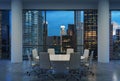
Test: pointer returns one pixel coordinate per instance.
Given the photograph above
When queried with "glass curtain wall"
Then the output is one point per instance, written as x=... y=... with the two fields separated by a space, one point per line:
x=42 y=30
x=4 y=34
x=115 y=36
x=90 y=30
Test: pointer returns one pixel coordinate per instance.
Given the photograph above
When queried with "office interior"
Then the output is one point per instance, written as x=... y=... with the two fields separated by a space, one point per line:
x=60 y=30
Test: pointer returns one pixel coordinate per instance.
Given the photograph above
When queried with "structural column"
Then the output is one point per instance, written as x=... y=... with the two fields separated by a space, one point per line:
x=16 y=31
x=103 y=31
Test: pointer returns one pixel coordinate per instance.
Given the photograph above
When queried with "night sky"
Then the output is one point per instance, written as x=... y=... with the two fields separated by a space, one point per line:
x=57 y=18
x=115 y=19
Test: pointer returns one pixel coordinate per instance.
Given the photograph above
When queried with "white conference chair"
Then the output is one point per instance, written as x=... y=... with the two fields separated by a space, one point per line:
x=89 y=64
x=85 y=55
x=33 y=67
x=51 y=50
x=35 y=55
x=70 y=50
x=85 y=61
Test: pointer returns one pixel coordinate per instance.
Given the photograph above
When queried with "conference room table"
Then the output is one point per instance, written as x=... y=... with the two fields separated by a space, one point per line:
x=60 y=62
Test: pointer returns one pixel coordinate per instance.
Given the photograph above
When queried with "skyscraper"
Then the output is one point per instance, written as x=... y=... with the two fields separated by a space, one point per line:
x=117 y=34
x=54 y=42
x=45 y=35
x=32 y=30
x=79 y=32
x=90 y=30
x=72 y=32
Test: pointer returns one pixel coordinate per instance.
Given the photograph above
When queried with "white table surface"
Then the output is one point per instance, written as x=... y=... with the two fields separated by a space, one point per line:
x=60 y=57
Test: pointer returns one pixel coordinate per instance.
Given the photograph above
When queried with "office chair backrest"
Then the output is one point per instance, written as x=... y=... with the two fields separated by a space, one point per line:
x=86 y=53
x=34 y=53
x=51 y=50
x=29 y=60
x=44 y=60
x=74 y=61
x=70 y=50
x=91 y=57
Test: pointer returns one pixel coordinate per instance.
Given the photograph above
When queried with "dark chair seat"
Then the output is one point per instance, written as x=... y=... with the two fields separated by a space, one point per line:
x=45 y=66
x=74 y=67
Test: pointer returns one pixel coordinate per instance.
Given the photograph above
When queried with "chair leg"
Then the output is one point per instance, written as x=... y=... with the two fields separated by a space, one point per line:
x=68 y=77
x=77 y=78
x=51 y=77
x=91 y=73
x=74 y=76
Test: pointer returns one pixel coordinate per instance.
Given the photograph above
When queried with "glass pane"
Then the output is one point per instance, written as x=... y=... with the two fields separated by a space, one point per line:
x=52 y=29
x=4 y=34
x=115 y=32
x=61 y=30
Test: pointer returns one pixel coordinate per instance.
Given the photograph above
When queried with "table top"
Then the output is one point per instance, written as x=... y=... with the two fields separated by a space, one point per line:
x=60 y=57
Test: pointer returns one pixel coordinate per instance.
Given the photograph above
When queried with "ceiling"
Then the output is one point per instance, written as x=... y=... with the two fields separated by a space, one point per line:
x=52 y=0
x=60 y=1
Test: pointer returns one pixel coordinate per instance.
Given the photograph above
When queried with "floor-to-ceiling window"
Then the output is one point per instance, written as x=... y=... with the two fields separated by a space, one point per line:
x=115 y=30
x=42 y=30
x=90 y=30
x=4 y=34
